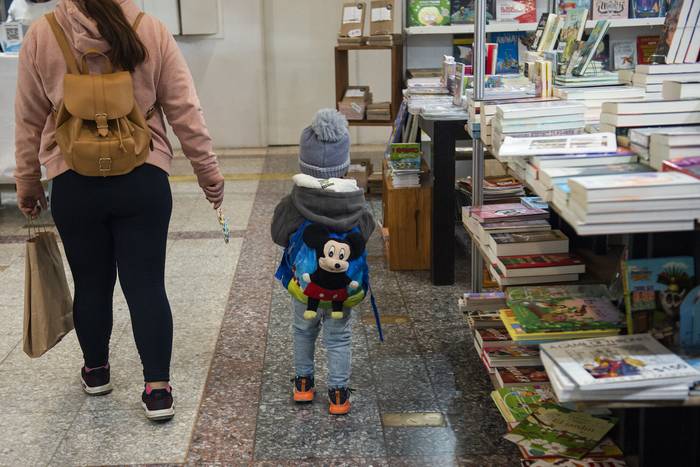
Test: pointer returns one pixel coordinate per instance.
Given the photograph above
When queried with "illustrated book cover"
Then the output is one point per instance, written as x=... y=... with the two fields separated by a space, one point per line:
x=518 y=402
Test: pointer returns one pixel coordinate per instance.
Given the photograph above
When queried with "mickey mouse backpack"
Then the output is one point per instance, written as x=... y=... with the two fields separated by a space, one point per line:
x=325 y=269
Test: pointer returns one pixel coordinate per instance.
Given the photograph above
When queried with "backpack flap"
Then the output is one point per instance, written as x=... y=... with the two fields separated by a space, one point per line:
x=99 y=98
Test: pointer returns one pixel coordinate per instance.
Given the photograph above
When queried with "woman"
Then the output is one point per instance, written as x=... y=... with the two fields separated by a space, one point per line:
x=113 y=225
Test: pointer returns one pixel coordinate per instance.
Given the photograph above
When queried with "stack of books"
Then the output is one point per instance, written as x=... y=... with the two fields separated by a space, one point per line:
x=680 y=89
x=384 y=40
x=596 y=76
x=620 y=368
x=483 y=301
x=345 y=40
x=529 y=220
x=621 y=117
x=651 y=77
x=632 y=203
x=379 y=111
x=639 y=139
x=673 y=145
x=487 y=111
x=679 y=43
x=497 y=189
x=593 y=98
x=536 y=119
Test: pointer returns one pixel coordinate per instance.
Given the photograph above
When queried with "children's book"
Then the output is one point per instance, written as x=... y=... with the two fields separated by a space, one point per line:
x=517 y=403
x=555 y=430
x=563 y=308
x=571 y=32
x=591 y=47
x=654 y=291
x=624 y=55
x=690 y=322
x=522 y=11
x=534 y=202
x=513 y=356
x=609 y=9
x=605 y=454
x=533 y=40
x=673 y=31
x=463 y=11
x=429 y=12
x=520 y=337
x=514 y=376
x=648 y=8
x=462 y=49
x=646 y=47
x=491 y=338
x=506 y=212
x=619 y=363
x=507 y=61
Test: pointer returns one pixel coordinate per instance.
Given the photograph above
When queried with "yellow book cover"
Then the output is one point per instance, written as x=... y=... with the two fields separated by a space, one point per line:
x=517 y=333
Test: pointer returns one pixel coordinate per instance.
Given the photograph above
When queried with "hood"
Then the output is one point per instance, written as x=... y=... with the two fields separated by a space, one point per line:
x=81 y=30
x=338 y=211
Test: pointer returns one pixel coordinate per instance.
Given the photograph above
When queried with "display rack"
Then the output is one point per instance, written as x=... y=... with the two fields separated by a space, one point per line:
x=342 y=78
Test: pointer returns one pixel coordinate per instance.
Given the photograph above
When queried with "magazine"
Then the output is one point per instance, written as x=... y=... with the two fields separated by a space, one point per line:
x=552 y=429
x=620 y=362
x=549 y=145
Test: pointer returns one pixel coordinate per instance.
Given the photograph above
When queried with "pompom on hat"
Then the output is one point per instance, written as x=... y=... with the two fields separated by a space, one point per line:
x=324 y=149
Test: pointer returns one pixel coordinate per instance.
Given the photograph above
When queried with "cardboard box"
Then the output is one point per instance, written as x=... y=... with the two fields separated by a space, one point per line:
x=360 y=170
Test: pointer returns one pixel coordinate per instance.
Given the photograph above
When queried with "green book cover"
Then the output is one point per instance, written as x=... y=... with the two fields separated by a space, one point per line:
x=555 y=431
x=521 y=401
x=429 y=13
x=564 y=308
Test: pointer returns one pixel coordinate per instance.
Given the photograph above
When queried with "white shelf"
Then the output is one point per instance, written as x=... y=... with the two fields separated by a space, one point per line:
x=517 y=27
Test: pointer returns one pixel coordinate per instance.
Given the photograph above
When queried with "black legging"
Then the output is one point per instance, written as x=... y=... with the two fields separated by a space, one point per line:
x=118 y=224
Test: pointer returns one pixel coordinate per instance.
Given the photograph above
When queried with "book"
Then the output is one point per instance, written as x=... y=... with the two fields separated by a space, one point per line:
x=609 y=9
x=555 y=175
x=641 y=79
x=522 y=11
x=550 y=33
x=353 y=22
x=646 y=47
x=636 y=120
x=648 y=8
x=571 y=32
x=634 y=186
x=463 y=11
x=605 y=454
x=428 y=13
x=656 y=286
x=622 y=156
x=567 y=5
x=690 y=323
x=520 y=337
x=591 y=46
x=687 y=165
x=687 y=33
x=546 y=108
x=673 y=31
x=516 y=403
x=534 y=202
x=576 y=144
x=668 y=69
x=506 y=212
x=507 y=56
x=540 y=265
x=516 y=356
x=620 y=362
x=693 y=51
x=536 y=37
x=552 y=429
x=529 y=243
x=513 y=376
x=492 y=338
x=651 y=107
x=675 y=90
x=624 y=55
x=491 y=58
x=563 y=308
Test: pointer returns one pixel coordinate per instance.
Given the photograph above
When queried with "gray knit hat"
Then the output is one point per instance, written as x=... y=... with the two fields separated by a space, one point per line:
x=324 y=149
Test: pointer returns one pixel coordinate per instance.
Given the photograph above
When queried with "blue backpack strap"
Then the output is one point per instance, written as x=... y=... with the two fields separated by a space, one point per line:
x=375 y=310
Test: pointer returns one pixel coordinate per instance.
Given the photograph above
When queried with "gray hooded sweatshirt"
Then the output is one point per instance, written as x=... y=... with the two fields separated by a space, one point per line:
x=339 y=212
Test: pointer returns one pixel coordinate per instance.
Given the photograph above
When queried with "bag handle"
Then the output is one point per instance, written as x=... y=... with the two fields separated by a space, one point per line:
x=62 y=40
x=84 y=65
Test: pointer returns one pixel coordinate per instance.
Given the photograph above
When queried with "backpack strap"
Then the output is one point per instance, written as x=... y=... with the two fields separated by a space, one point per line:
x=62 y=40
x=138 y=19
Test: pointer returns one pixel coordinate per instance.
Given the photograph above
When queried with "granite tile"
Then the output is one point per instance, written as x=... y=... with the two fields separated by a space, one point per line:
x=420 y=441
x=310 y=429
x=313 y=461
x=99 y=438
x=40 y=431
x=405 y=376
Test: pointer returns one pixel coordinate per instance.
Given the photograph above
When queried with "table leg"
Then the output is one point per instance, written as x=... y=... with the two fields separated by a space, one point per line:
x=443 y=236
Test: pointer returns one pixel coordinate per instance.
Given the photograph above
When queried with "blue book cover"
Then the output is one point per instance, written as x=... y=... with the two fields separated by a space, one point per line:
x=508 y=55
x=690 y=322
x=649 y=8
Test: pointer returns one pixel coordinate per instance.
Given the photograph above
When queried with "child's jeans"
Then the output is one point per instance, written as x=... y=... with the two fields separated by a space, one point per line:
x=337 y=337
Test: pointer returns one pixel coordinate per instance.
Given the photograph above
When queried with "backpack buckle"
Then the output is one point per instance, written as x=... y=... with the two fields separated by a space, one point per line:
x=102 y=124
x=105 y=164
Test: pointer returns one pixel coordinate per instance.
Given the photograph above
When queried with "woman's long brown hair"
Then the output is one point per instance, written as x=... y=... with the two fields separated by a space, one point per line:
x=127 y=50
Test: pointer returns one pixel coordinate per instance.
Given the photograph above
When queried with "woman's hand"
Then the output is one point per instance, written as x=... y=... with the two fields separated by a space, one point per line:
x=215 y=194
x=31 y=199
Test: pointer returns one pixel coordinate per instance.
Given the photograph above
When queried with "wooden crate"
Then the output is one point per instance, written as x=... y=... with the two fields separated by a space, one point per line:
x=407 y=219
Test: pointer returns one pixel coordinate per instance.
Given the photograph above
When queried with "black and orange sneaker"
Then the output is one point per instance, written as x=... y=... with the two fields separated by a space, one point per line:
x=96 y=381
x=339 y=400
x=304 y=389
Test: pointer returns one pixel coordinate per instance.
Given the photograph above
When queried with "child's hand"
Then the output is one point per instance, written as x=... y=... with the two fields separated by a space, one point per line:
x=306 y=277
x=354 y=285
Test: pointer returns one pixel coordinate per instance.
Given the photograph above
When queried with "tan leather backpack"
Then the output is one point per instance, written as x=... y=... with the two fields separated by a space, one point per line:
x=99 y=127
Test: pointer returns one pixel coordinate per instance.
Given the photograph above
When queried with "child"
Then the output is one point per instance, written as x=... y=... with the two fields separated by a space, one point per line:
x=320 y=195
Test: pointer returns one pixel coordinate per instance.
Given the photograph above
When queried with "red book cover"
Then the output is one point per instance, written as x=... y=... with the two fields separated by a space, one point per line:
x=523 y=375
x=493 y=335
x=491 y=53
x=540 y=261
x=646 y=46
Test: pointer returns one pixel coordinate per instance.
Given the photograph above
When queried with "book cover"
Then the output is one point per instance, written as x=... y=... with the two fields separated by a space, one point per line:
x=646 y=47
x=520 y=402
x=591 y=46
x=518 y=334
x=609 y=9
x=512 y=376
x=648 y=8
x=571 y=32
x=687 y=165
x=605 y=454
x=463 y=11
x=690 y=322
x=540 y=261
x=529 y=237
x=493 y=335
x=532 y=41
x=624 y=55
x=637 y=180
x=462 y=50
x=620 y=362
x=555 y=430
x=534 y=202
x=673 y=28
x=507 y=61
x=513 y=352
x=522 y=11
x=551 y=34
x=429 y=12
x=564 y=308
x=566 y=5
x=657 y=286
x=498 y=212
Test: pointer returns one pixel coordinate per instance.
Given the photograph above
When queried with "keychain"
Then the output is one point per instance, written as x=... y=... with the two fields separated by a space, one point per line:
x=223 y=222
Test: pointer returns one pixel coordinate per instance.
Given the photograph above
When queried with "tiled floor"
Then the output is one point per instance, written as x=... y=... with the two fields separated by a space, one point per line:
x=232 y=358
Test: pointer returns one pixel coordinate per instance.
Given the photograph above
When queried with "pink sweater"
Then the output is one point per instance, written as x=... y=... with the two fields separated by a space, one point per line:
x=163 y=79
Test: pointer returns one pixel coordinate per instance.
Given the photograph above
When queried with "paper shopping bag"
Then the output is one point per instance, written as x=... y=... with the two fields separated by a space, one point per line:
x=48 y=307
